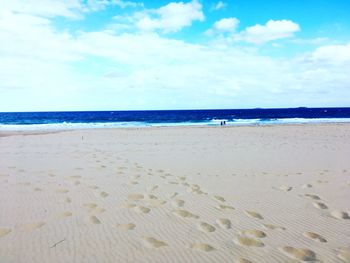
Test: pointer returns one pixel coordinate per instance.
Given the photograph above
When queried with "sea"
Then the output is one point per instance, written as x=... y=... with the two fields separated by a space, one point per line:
x=155 y=118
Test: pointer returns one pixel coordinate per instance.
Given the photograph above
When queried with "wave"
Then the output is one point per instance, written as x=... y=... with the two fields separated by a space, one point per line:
x=212 y=122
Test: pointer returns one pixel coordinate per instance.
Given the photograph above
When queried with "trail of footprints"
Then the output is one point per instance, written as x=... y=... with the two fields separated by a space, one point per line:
x=299 y=253
x=143 y=203
x=319 y=204
x=247 y=238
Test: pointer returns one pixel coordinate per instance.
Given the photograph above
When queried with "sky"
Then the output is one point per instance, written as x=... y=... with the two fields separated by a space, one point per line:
x=66 y=55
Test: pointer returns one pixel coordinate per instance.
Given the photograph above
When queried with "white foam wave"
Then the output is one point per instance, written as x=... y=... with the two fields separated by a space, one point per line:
x=214 y=122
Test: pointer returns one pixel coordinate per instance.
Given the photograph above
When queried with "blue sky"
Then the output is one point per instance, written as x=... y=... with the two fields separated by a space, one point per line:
x=124 y=55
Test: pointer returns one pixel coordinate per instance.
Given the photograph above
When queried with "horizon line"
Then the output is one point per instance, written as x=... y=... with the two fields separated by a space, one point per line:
x=212 y=109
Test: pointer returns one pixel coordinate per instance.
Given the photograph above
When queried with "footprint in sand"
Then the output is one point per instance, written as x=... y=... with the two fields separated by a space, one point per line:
x=4 y=231
x=322 y=182
x=127 y=226
x=63 y=215
x=37 y=189
x=225 y=207
x=243 y=260
x=151 y=196
x=306 y=186
x=142 y=209
x=219 y=198
x=205 y=227
x=224 y=223
x=193 y=188
x=299 y=253
x=249 y=242
x=315 y=237
x=128 y=205
x=255 y=233
x=156 y=202
x=314 y=197
x=343 y=253
x=103 y=194
x=97 y=210
x=202 y=247
x=178 y=203
x=273 y=227
x=253 y=214
x=62 y=190
x=319 y=205
x=94 y=187
x=151 y=242
x=174 y=195
x=94 y=220
x=77 y=182
x=90 y=205
x=65 y=200
x=199 y=192
x=185 y=214
x=286 y=188
x=340 y=214
x=29 y=227
x=136 y=197
x=151 y=189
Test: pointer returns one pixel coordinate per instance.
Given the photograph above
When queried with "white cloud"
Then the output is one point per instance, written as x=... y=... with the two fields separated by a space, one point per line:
x=219 y=5
x=335 y=54
x=223 y=26
x=311 y=41
x=33 y=36
x=96 y=5
x=226 y=24
x=64 y=8
x=171 y=17
x=45 y=69
x=46 y=8
x=272 y=30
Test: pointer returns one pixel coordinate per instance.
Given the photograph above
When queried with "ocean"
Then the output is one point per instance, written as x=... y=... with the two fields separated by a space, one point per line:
x=106 y=119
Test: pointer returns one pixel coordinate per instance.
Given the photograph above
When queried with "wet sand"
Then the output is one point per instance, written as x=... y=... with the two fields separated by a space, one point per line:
x=184 y=194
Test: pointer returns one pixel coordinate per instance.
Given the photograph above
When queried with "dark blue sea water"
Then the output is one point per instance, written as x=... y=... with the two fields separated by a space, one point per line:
x=95 y=119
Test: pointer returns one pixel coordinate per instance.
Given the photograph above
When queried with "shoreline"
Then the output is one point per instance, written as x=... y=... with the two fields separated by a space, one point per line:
x=17 y=132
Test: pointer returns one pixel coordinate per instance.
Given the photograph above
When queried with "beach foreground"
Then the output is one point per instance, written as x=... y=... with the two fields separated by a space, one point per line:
x=200 y=194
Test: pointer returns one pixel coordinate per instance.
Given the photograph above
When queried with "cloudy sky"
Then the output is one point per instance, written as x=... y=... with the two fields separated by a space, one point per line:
x=124 y=55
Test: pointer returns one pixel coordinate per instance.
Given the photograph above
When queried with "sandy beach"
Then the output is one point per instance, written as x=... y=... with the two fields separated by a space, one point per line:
x=177 y=194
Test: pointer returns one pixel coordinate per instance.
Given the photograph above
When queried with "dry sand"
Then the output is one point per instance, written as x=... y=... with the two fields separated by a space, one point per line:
x=223 y=194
